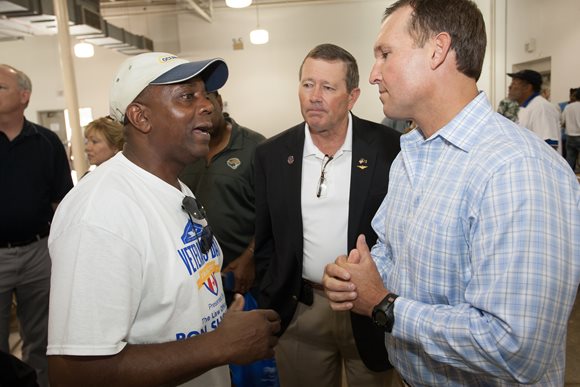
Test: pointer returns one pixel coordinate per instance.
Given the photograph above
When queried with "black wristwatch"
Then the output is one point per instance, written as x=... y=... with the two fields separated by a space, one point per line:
x=383 y=312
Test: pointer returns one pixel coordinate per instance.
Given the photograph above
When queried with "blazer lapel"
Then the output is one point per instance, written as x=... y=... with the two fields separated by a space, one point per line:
x=291 y=183
x=363 y=166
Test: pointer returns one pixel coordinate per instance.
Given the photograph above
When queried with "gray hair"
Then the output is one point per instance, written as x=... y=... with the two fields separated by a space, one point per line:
x=22 y=79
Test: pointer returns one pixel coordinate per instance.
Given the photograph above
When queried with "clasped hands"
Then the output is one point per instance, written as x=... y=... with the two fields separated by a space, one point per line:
x=353 y=282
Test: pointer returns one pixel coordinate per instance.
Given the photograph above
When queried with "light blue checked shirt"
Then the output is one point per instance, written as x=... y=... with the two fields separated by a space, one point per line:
x=480 y=236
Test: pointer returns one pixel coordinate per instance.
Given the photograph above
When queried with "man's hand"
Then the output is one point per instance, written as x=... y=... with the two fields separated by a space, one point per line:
x=337 y=285
x=244 y=271
x=248 y=336
x=354 y=283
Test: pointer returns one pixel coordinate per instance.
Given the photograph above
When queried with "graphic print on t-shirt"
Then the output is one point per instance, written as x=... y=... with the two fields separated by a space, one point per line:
x=205 y=266
x=202 y=268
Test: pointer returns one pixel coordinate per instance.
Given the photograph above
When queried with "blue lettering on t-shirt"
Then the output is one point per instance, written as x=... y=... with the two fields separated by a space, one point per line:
x=187 y=260
x=191 y=254
x=209 y=324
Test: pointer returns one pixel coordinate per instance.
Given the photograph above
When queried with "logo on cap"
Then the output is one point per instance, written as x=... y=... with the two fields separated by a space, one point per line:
x=167 y=58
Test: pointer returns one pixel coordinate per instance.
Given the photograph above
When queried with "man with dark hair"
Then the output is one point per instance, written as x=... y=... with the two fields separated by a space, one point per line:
x=318 y=185
x=137 y=299
x=536 y=112
x=477 y=263
x=224 y=182
x=34 y=177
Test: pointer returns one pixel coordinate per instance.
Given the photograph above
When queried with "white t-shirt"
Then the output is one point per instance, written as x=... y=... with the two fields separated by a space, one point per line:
x=571 y=117
x=542 y=118
x=127 y=268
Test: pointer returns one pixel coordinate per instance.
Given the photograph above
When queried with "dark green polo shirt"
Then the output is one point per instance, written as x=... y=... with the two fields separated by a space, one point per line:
x=225 y=188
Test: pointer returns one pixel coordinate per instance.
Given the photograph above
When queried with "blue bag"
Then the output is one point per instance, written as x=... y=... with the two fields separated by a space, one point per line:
x=262 y=373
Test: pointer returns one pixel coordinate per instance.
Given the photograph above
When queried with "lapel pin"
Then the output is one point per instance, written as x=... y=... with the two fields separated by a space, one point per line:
x=290 y=160
x=362 y=164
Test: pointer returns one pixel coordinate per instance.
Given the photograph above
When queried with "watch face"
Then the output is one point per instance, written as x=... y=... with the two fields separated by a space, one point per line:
x=383 y=313
x=380 y=317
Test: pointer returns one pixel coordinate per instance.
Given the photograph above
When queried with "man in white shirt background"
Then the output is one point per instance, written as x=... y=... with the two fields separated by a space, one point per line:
x=536 y=112
x=571 y=121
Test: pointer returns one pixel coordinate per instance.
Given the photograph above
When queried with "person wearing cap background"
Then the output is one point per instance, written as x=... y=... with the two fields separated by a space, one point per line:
x=535 y=113
x=136 y=294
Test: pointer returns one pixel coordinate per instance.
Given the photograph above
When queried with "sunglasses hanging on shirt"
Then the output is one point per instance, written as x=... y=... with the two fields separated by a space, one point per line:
x=322 y=186
x=194 y=209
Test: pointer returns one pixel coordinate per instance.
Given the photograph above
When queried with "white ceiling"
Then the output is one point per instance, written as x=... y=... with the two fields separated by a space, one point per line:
x=19 y=27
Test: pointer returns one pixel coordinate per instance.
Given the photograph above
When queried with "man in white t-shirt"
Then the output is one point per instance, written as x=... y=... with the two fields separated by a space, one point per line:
x=536 y=113
x=136 y=295
x=571 y=121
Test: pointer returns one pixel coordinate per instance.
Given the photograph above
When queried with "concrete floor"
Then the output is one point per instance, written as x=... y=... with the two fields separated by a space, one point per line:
x=572 y=346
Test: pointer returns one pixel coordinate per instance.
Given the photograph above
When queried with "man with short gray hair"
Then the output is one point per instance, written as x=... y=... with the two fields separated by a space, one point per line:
x=318 y=184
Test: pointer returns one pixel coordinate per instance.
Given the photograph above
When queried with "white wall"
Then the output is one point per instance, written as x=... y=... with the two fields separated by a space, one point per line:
x=554 y=25
x=263 y=85
x=262 y=90
x=38 y=57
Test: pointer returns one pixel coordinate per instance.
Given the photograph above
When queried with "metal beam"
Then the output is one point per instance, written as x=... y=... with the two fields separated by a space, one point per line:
x=195 y=6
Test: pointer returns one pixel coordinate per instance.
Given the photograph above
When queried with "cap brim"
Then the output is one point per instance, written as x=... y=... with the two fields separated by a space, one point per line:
x=214 y=73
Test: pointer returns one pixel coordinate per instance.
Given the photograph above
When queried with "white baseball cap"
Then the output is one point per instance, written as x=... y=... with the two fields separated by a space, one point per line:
x=160 y=68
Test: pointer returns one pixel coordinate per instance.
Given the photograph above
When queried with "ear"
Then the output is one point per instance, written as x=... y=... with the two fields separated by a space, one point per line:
x=24 y=97
x=353 y=97
x=220 y=102
x=530 y=88
x=138 y=115
x=441 y=45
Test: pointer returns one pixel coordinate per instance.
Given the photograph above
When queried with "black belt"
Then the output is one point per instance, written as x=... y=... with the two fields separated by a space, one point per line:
x=43 y=234
x=313 y=285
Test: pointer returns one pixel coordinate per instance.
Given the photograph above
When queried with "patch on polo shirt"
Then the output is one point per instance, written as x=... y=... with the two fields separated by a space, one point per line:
x=233 y=163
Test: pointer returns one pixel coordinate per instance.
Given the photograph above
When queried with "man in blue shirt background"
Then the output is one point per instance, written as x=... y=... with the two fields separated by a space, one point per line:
x=477 y=262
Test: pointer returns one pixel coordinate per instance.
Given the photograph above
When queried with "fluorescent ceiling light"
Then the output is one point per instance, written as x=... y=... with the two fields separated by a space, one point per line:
x=238 y=3
x=259 y=36
x=84 y=50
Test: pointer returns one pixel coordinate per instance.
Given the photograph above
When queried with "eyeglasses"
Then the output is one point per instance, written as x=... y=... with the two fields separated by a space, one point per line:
x=193 y=208
x=321 y=191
